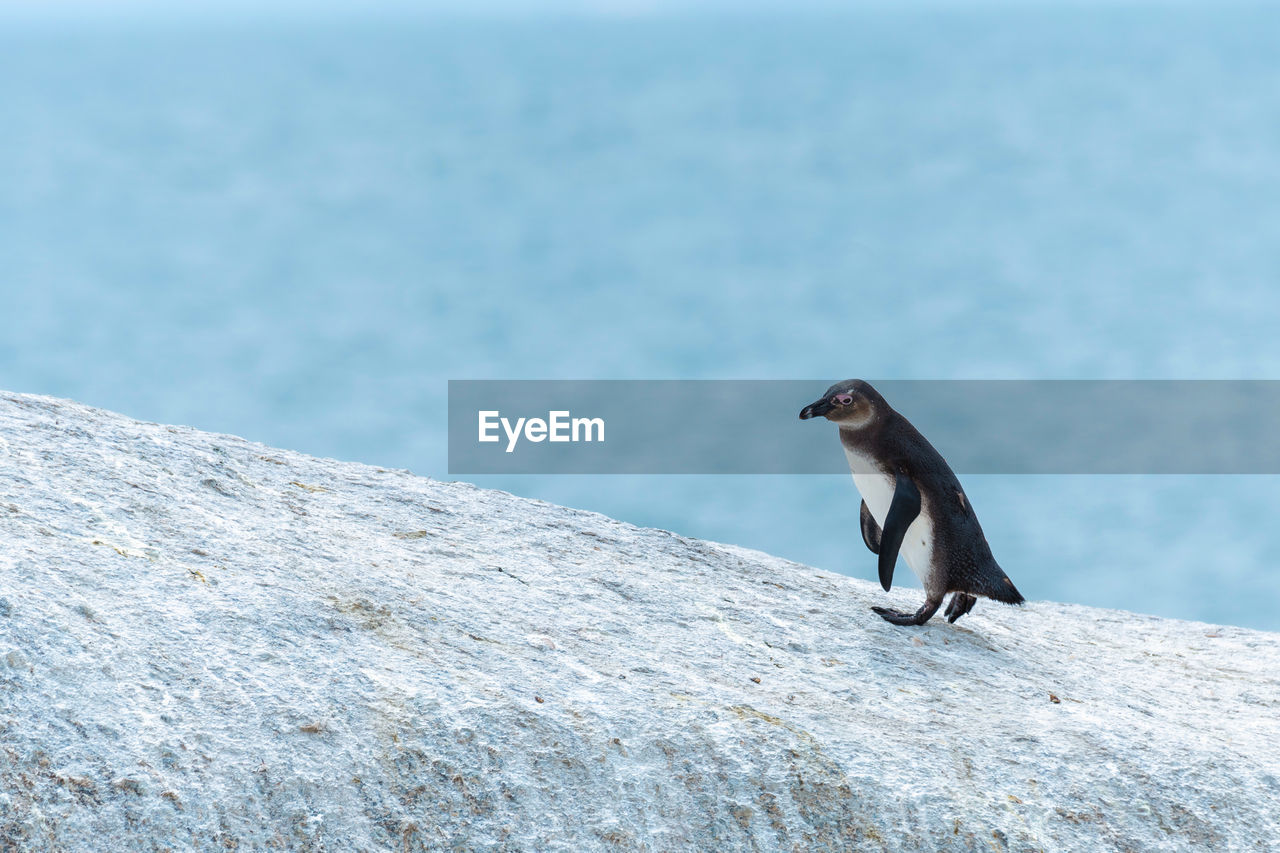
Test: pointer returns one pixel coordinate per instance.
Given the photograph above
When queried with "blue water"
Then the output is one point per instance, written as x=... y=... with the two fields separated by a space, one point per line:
x=298 y=232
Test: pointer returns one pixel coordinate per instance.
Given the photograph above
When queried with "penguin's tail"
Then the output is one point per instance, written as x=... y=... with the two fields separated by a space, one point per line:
x=998 y=586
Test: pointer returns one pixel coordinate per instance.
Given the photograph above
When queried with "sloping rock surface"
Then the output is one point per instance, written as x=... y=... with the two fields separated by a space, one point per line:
x=207 y=644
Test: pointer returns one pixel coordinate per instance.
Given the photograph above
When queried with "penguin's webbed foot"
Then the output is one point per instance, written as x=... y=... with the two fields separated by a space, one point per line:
x=921 y=616
x=897 y=617
x=960 y=604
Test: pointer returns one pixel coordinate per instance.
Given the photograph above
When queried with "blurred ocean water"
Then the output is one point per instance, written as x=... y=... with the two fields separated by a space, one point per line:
x=297 y=232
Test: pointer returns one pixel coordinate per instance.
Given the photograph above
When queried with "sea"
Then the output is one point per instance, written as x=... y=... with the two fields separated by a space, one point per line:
x=298 y=228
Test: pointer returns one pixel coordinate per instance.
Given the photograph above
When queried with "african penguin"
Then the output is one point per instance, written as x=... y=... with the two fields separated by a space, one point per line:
x=912 y=504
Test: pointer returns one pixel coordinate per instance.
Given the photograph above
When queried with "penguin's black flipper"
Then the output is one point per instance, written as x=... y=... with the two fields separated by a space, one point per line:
x=903 y=511
x=870 y=530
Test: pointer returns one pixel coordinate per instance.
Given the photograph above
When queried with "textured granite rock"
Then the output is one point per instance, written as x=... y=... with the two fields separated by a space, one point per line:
x=206 y=643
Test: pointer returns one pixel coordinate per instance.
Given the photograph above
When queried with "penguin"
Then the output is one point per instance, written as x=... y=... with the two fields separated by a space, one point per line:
x=912 y=504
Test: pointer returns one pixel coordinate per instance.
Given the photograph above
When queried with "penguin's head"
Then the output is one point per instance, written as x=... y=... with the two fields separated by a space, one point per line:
x=852 y=404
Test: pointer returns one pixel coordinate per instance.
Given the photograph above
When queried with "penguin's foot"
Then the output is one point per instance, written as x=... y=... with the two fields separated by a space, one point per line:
x=921 y=616
x=960 y=604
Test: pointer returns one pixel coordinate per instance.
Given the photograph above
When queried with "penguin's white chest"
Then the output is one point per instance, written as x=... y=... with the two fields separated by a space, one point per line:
x=877 y=490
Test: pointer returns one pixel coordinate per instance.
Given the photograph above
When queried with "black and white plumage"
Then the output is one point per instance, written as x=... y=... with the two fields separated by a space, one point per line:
x=913 y=505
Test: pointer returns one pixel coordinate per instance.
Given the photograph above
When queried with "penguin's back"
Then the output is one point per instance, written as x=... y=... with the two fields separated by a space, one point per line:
x=945 y=545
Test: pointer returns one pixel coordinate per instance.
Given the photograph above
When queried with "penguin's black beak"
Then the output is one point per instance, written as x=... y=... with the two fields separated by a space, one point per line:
x=816 y=410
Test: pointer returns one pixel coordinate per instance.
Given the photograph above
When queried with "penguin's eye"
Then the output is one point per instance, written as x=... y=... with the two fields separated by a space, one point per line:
x=842 y=399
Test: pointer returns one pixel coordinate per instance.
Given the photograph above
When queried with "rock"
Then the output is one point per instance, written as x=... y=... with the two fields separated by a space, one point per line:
x=321 y=655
